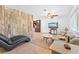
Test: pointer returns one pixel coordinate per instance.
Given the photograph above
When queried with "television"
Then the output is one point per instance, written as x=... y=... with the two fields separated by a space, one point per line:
x=53 y=25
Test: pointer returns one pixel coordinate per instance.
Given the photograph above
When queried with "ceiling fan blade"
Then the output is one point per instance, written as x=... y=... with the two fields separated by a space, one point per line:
x=51 y=16
x=54 y=15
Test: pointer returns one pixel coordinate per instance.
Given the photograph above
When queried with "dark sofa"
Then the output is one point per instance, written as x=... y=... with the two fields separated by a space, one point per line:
x=10 y=43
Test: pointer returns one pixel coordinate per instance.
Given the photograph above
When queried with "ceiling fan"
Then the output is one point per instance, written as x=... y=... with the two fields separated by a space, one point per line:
x=50 y=15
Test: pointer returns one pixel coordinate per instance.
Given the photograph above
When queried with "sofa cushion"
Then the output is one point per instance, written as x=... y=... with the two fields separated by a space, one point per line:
x=4 y=38
x=75 y=41
x=19 y=37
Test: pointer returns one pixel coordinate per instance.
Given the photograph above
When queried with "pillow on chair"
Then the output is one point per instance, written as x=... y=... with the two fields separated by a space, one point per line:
x=75 y=41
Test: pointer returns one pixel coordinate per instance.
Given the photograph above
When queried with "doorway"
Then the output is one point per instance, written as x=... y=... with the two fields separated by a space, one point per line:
x=37 y=25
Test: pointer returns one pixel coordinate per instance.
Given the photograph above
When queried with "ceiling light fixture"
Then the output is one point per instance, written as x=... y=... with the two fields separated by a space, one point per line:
x=50 y=15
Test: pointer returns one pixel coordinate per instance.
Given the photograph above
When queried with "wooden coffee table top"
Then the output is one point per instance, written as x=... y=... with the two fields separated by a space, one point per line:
x=58 y=46
x=47 y=35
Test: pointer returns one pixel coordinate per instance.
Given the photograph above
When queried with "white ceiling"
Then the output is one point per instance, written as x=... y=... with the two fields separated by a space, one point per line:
x=38 y=10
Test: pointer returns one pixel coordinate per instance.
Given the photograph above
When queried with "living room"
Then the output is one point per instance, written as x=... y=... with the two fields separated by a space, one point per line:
x=42 y=24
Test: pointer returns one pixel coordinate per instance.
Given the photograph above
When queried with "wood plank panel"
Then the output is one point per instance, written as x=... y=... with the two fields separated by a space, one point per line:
x=14 y=22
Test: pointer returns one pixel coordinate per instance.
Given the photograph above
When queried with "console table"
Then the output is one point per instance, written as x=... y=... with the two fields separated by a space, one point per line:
x=54 y=30
x=53 y=26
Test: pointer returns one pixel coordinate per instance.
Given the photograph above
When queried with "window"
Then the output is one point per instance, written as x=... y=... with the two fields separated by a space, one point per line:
x=77 y=22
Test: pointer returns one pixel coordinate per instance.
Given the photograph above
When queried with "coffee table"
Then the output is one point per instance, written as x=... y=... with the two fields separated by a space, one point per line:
x=51 y=36
x=47 y=36
x=58 y=47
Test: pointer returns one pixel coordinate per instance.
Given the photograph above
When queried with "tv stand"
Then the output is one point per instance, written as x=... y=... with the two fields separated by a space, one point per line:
x=54 y=30
x=53 y=26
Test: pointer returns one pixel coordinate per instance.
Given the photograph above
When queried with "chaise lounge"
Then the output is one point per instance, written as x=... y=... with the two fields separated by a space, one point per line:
x=10 y=43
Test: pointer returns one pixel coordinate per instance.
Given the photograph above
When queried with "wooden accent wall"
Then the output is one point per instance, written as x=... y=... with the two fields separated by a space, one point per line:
x=14 y=22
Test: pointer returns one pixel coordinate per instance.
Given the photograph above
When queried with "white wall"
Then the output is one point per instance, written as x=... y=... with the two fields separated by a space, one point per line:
x=73 y=21
x=73 y=24
x=44 y=26
x=62 y=23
